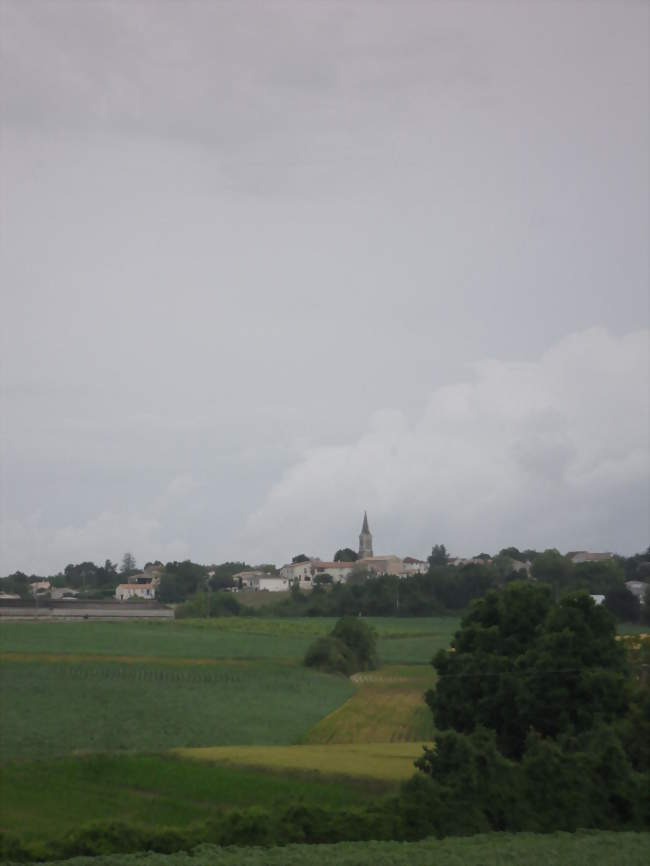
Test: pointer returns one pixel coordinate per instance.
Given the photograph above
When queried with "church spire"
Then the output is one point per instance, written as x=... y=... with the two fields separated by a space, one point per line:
x=365 y=539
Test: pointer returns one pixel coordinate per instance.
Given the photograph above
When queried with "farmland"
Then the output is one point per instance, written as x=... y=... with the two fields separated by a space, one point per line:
x=42 y=799
x=169 y=724
x=93 y=710
x=63 y=707
x=412 y=641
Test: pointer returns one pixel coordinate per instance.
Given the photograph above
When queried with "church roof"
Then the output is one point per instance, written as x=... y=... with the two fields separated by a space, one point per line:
x=364 y=528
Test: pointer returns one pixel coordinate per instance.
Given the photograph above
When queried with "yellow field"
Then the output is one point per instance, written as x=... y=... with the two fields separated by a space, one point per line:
x=387 y=707
x=386 y=762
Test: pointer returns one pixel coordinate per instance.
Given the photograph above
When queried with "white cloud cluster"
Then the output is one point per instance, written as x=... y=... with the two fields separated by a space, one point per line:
x=549 y=453
x=31 y=546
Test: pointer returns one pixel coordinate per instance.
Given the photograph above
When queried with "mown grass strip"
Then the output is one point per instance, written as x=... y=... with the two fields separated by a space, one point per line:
x=388 y=762
x=388 y=706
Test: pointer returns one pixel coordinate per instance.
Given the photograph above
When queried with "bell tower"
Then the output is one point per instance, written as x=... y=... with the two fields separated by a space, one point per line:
x=365 y=539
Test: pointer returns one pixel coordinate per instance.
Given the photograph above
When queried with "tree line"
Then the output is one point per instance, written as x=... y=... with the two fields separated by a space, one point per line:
x=443 y=588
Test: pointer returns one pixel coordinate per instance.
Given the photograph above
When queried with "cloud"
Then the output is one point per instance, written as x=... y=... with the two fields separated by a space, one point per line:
x=548 y=453
x=29 y=545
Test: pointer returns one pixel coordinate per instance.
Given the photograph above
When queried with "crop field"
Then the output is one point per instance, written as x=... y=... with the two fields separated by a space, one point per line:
x=597 y=848
x=92 y=710
x=385 y=762
x=80 y=707
x=169 y=723
x=400 y=640
x=43 y=799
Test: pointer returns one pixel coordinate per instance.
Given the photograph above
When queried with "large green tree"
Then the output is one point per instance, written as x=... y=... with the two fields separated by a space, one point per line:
x=523 y=663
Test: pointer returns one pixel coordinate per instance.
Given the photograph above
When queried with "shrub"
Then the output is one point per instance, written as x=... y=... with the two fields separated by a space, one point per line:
x=349 y=647
x=331 y=655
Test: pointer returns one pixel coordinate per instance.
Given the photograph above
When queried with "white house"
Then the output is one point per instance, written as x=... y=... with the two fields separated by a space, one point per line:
x=300 y=573
x=248 y=579
x=579 y=556
x=125 y=591
x=262 y=581
x=339 y=571
x=411 y=565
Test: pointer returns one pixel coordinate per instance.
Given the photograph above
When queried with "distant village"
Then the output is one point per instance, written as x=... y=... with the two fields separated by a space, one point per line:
x=306 y=572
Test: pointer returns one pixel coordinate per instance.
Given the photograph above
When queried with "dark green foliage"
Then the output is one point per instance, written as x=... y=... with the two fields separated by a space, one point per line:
x=346 y=554
x=560 y=784
x=599 y=577
x=597 y=848
x=553 y=568
x=301 y=557
x=513 y=553
x=443 y=589
x=209 y=604
x=350 y=647
x=331 y=655
x=88 y=576
x=180 y=580
x=16 y=584
x=523 y=663
x=475 y=786
x=439 y=555
x=360 y=638
x=637 y=567
x=623 y=604
x=543 y=726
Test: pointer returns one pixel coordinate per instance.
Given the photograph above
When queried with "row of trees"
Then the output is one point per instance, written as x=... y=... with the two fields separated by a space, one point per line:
x=448 y=589
x=441 y=589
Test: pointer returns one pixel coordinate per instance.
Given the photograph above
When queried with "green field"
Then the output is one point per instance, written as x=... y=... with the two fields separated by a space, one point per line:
x=91 y=709
x=400 y=640
x=598 y=848
x=44 y=799
x=78 y=707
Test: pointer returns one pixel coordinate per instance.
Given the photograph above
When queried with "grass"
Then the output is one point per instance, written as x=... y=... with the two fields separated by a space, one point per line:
x=42 y=800
x=388 y=706
x=586 y=848
x=385 y=762
x=80 y=707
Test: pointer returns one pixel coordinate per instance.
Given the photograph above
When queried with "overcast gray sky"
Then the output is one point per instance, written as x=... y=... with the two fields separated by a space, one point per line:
x=267 y=264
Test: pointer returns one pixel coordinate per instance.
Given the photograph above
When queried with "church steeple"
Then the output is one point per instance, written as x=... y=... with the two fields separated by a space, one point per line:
x=365 y=539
